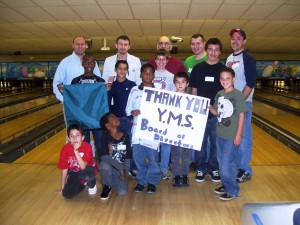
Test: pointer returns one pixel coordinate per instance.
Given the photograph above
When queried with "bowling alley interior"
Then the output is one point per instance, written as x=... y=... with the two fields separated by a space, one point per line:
x=36 y=35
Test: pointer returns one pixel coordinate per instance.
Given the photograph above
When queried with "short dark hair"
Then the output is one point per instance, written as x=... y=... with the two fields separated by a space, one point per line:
x=229 y=70
x=213 y=41
x=104 y=120
x=197 y=36
x=181 y=74
x=74 y=126
x=162 y=52
x=123 y=37
x=147 y=65
x=121 y=62
x=86 y=56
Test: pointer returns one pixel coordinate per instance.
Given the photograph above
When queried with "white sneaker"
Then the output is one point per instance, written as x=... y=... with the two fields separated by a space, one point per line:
x=93 y=191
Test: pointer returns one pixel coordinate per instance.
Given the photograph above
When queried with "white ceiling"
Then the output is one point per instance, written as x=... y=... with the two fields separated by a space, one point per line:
x=48 y=26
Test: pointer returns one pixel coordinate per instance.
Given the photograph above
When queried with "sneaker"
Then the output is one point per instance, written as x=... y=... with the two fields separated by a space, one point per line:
x=226 y=197
x=105 y=192
x=215 y=177
x=138 y=188
x=151 y=188
x=185 y=181
x=243 y=176
x=200 y=176
x=166 y=175
x=132 y=173
x=220 y=190
x=176 y=181
x=93 y=191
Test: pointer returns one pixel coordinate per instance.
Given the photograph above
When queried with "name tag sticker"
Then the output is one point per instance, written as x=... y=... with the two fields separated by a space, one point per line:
x=121 y=147
x=209 y=79
x=190 y=70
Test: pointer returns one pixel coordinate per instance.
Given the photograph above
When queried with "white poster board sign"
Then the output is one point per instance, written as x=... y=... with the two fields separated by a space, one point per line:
x=173 y=118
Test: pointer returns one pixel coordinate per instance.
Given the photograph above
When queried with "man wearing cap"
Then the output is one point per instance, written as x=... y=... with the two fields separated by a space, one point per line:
x=244 y=65
x=174 y=64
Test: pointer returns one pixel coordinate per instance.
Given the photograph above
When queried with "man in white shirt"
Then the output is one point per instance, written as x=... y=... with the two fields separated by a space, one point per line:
x=134 y=63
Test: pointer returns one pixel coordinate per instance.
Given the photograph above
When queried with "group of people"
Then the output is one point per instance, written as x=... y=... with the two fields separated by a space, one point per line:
x=226 y=149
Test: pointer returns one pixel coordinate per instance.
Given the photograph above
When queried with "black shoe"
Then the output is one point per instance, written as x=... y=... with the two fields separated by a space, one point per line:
x=139 y=188
x=243 y=176
x=105 y=192
x=176 y=181
x=226 y=197
x=151 y=188
x=215 y=177
x=185 y=181
x=199 y=176
x=132 y=173
x=220 y=190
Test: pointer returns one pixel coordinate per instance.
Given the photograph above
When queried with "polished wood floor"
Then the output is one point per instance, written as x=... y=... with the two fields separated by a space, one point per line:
x=28 y=197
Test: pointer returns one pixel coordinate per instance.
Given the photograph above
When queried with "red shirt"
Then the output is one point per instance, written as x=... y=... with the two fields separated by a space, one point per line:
x=67 y=159
x=174 y=65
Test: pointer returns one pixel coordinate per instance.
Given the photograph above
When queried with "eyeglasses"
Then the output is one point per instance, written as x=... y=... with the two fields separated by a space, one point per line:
x=164 y=43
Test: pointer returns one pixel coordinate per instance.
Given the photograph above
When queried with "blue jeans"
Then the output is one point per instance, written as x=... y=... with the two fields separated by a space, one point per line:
x=165 y=151
x=110 y=175
x=146 y=160
x=245 y=149
x=206 y=159
x=227 y=158
x=97 y=134
x=184 y=154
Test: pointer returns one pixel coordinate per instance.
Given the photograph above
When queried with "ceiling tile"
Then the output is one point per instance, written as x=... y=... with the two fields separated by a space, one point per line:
x=114 y=2
x=131 y=27
x=53 y=29
x=178 y=11
x=12 y=16
x=211 y=27
x=72 y=28
x=143 y=1
x=49 y=2
x=171 y=27
x=91 y=28
x=89 y=12
x=269 y=28
x=285 y=12
x=114 y=12
x=190 y=27
x=231 y=11
x=151 y=27
x=203 y=11
x=35 y=13
x=145 y=11
x=80 y=2
x=258 y=12
x=18 y=3
x=110 y=27
x=62 y=13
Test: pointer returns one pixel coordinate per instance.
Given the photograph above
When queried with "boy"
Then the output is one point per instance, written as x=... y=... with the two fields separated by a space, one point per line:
x=205 y=82
x=231 y=109
x=117 y=98
x=88 y=63
x=163 y=80
x=145 y=152
x=179 y=153
x=114 y=157
x=77 y=164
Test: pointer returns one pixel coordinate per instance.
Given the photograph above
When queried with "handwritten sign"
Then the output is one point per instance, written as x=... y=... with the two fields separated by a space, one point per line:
x=173 y=118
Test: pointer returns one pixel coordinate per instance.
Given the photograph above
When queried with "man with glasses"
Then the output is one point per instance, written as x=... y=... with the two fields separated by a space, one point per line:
x=174 y=64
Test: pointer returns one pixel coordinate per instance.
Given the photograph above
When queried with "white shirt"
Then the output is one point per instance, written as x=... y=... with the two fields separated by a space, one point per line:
x=134 y=64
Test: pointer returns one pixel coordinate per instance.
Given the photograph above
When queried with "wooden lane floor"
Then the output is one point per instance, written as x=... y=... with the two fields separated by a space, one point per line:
x=13 y=126
x=27 y=192
x=9 y=110
x=283 y=119
x=292 y=102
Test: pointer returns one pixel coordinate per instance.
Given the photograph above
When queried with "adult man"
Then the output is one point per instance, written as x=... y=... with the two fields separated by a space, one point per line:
x=71 y=67
x=134 y=63
x=244 y=66
x=174 y=65
x=205 y=82
x=197 y=46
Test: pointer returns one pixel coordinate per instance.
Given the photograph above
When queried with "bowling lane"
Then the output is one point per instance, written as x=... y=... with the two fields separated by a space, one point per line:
x=9 y=110
x=284 y=100
x=20 y=124
x=283 y=119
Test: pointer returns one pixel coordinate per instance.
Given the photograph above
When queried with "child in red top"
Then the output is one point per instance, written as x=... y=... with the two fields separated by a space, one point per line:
x=77 y=164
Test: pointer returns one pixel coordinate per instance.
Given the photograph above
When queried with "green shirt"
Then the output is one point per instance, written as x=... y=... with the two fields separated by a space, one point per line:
x=190 y=62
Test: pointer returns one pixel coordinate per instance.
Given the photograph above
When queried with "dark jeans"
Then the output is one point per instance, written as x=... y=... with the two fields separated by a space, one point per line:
x=74 y=182
x=97 y=134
